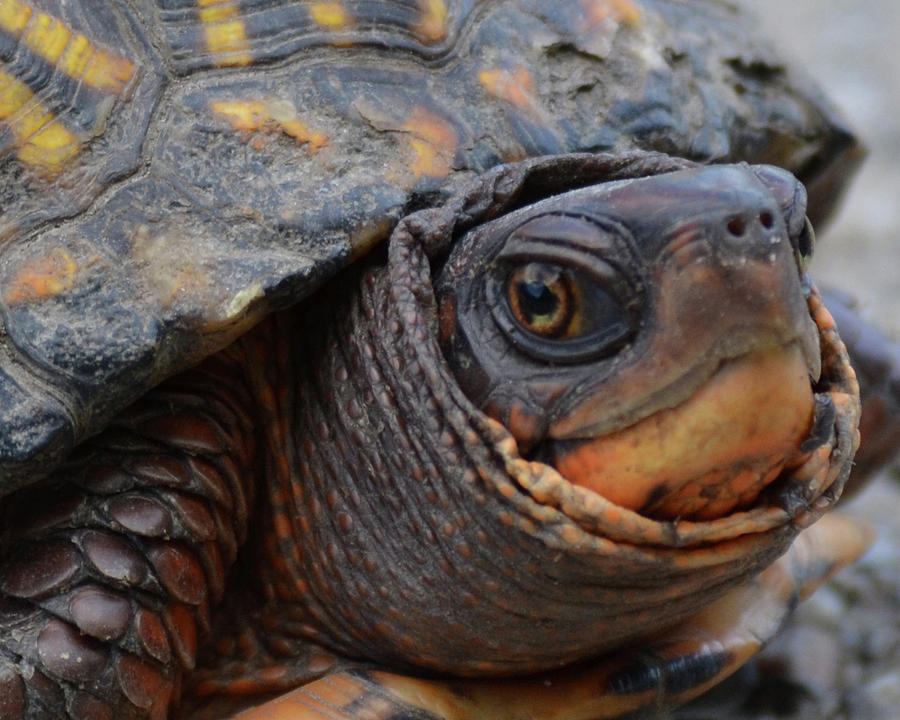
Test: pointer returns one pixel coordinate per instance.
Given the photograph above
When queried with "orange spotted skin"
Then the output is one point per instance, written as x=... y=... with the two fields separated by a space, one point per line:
x=876 y=359
x=324 y=531
x=731 y=627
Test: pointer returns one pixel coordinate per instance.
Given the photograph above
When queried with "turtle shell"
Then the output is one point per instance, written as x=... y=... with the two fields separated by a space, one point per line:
x=173 y=170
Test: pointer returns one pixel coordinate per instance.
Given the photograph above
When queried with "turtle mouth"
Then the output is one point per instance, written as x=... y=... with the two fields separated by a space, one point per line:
x=711 y=453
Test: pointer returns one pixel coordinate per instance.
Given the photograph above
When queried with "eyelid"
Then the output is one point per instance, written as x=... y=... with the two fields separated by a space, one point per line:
x=577 y=260
x=567 y=230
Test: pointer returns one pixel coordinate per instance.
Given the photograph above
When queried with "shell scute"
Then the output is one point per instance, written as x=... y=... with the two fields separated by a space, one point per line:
x=594 y=24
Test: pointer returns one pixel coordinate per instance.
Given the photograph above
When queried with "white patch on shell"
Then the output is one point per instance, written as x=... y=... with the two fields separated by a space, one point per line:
x=242 y=300
x=648 y=50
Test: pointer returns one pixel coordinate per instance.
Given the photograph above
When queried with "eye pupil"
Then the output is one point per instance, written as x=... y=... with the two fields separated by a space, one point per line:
x=540 y=298
x=536 y=299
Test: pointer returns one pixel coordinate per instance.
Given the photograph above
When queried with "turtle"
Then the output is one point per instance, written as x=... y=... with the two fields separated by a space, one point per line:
x=439 y=359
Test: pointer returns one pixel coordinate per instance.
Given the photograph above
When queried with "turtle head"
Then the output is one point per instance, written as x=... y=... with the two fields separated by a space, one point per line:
x=650 y=338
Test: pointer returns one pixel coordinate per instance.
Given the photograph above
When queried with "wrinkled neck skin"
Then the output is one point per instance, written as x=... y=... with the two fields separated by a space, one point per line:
x=392 y=504
x=398 y=524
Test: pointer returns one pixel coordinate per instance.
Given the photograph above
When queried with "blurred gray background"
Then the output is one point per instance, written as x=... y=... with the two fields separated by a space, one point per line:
x=852 y=47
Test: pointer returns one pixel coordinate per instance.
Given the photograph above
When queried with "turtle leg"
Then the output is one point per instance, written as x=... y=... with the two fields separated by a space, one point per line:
x=108 y=570
x=660 y=675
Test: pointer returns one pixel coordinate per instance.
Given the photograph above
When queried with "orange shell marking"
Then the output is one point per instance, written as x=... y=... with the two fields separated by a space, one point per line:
x=225 y=33
x=433 y=140
x=515 y=87
x=617 y=10
x=250 y=116
x=42 y=277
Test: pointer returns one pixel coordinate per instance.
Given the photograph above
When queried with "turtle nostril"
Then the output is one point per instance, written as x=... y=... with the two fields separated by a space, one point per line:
x=766 y=219
x=737 y=226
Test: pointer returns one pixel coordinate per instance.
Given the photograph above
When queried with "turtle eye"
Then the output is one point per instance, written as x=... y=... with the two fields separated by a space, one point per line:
x=556 y=312
x=542 y=299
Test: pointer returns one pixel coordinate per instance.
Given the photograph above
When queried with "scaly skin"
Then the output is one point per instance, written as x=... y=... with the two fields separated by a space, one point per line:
x=876 y=359
x=649 y=679
x=109 y=574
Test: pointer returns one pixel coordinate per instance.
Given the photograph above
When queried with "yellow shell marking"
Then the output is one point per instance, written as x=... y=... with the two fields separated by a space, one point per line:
x=47 y=37
x=74 y=61
x=249 y=116
x=224 y=31
x=42 y=277
x=432 y=26
x=14 y=16
x=331 y=15
x=105 y=71
x=42 y=140
x=70 y=52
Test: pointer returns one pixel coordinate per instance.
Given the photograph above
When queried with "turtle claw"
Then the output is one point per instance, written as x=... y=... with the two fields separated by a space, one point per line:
x=665 y=673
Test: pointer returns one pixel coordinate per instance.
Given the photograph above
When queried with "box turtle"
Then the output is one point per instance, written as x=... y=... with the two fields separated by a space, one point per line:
x=438 y=358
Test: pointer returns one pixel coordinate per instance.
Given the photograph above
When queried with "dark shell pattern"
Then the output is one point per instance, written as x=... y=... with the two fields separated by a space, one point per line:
x=172 y=170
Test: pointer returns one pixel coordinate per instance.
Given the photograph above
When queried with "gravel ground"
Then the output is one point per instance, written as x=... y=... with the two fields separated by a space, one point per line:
x=840 y=658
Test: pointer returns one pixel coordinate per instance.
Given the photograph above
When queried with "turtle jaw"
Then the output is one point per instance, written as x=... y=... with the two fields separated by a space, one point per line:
x=710 y=454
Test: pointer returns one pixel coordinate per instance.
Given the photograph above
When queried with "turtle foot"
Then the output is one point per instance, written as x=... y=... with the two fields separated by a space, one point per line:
x=73 y=646
x=109 y=570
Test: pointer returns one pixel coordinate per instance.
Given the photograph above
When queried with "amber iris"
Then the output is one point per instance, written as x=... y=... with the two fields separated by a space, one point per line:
x=542 y=299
